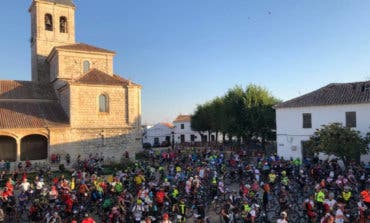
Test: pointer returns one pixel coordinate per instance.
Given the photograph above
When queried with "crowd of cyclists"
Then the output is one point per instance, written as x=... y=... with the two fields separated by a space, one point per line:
x=190 y=185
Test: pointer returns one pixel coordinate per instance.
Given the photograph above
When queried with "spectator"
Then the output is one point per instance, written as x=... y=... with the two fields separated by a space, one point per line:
x=283 y=218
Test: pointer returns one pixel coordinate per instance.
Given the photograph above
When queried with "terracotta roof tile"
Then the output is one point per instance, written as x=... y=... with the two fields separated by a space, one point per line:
x=84 y=47
x=95 y=76
x=183 y=118
x=332 y=94
x=167 y=124
x=125 y=80
x=25 y=90
x=31 y=115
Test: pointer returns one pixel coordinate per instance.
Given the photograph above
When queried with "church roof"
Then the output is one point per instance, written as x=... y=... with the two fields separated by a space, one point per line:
x=127 y=81
x=10 y=89
x=32 y=114
x=84 y=47
x=61 y=2
x=25 y=104
x=332 y=94
x=183 y=118
x=97 y=77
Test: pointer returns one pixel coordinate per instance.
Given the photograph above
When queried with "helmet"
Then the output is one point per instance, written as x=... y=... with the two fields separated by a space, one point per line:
x=165 y=216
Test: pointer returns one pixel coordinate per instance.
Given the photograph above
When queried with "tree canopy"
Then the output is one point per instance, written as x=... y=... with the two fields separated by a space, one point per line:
x=243 y=113
x=335 y=139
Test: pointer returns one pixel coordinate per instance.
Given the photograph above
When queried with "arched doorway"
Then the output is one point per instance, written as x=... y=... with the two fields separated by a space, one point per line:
x=8 y=148
x=34 y=147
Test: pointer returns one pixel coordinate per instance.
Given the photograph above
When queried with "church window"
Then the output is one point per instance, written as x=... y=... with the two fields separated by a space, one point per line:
x=48 y=22
x=103 y=103
x=86 y=66
x=63 y=24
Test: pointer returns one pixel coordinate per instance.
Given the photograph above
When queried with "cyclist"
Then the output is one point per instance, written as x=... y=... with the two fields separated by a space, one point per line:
x=272 y=177
x=166 y=218
x=309 y=206
x=25 y=185
x=174 y=194
x=330 y=203
x=346 y=194
x=319 y=198
x=180 y=210
x=361 y=211
x=339 y=214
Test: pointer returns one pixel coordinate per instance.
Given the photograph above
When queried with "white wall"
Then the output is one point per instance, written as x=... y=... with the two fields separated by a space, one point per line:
x=290 y=131
x=159 y=131
x=187 y=132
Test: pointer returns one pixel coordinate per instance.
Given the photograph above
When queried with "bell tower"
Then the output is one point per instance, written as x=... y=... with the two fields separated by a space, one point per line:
x=52 y=24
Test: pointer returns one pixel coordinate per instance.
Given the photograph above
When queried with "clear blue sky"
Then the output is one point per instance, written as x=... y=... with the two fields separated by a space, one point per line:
x=185 y=52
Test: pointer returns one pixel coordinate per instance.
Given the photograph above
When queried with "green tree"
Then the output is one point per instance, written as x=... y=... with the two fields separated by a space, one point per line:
x=242 y=113
x=335 y=139
x=260 y=113
x=219 y=117
x=236 y=112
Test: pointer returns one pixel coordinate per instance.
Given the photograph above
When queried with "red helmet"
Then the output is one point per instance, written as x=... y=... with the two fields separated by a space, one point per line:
x=165 y=216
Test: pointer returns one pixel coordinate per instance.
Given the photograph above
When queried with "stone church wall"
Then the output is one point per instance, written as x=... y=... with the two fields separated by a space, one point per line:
x=84 y=107
x=43 y=41
x=134 y=105
x=64 y=99
x=70 y=65
x=112 y=142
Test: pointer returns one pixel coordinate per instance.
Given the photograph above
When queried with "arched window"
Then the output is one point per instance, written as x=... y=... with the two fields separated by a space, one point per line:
x=63 y=28
x=103 y=103
x=48 y=22
x=86 y=66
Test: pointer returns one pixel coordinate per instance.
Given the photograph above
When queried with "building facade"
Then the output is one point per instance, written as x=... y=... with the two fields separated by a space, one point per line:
x=75 y=102
x=183 y=133
x=158 y=134
x=298 y=118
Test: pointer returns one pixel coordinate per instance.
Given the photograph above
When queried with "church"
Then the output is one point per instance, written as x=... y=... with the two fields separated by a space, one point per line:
x=75 y=103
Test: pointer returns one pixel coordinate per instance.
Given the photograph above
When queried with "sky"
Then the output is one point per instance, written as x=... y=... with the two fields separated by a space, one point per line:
x=186 y=52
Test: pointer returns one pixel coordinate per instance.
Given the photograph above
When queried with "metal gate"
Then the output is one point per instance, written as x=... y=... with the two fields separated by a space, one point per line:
x=8 y=148
x=34 y=147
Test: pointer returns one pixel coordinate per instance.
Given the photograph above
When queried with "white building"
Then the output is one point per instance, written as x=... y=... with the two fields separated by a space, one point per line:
x=183 y=132
x=298 y=118
x=159 y=133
